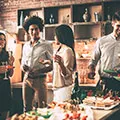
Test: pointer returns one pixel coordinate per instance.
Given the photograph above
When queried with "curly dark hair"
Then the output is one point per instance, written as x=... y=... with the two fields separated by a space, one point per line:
x=33 y=20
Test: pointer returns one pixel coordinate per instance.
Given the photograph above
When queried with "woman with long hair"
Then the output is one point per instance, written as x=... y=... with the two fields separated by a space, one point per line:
x=5 y=87
x=64 y=63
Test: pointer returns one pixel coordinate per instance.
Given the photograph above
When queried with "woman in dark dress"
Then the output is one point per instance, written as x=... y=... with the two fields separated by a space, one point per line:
x=5 y=87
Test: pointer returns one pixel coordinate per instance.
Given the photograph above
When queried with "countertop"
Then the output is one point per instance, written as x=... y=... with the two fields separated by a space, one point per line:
x=113 y=114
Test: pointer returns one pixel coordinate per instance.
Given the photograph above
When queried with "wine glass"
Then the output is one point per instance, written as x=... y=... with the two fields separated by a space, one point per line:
x=5 y=63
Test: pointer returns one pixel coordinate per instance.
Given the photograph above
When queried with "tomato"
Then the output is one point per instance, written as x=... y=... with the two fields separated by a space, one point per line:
x=66 y=115
x=107 y=95
x=84 y=117
x=71 y=118
x=117 y=98
x=75 y=115
x=90 y=93
x=118 y=75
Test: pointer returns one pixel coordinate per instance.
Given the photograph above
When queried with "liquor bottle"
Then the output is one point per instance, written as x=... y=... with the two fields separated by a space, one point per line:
x=21 y=18
x=75 y=90
x=86 y=16
x=51 y=19
x=108 y=15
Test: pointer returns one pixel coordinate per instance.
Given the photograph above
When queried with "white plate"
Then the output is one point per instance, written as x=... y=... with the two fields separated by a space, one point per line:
x=103 y=108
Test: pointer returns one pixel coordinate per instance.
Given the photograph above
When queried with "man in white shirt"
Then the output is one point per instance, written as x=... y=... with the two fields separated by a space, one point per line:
x=106 y=51
x=36 y=62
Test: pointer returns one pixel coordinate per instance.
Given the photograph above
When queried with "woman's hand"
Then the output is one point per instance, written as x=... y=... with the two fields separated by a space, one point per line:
x=3 y=69
x=91 y=72
x=58 y=59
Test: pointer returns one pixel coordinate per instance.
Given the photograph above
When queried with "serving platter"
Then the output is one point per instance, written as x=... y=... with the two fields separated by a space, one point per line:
x=104 y=108
x=101 y=103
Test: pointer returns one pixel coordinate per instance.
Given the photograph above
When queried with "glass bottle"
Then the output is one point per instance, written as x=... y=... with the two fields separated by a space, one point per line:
x=108 y=15
x=75 y=90
x=96 y=14
x=51 y=20
x=86 y=16
x=21 y=18
x=67 y=19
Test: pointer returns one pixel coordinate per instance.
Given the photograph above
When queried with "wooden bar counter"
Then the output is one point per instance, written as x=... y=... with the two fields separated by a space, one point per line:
x=113 y=114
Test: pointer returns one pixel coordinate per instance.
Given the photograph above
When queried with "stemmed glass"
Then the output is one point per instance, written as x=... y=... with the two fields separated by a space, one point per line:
x=5 y=63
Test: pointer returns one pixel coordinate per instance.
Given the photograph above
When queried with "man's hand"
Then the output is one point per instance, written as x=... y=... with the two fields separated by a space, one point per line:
x=91 y=72
x=44 y=62
x=25 y=68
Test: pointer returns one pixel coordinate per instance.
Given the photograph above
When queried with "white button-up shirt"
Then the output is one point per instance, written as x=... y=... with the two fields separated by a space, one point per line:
x=106 y=53
x=32 y=54
x=59 y=80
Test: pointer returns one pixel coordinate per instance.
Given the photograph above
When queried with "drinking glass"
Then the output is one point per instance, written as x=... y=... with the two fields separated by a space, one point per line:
x=5 y=64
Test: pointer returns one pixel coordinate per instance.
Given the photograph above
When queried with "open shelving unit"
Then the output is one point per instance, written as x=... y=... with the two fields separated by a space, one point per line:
x=73 y=16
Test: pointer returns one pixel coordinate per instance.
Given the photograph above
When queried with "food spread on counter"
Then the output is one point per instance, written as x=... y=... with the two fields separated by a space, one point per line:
x=79 y=108
x=58 y=111
x=106 y=102
x=101 y=103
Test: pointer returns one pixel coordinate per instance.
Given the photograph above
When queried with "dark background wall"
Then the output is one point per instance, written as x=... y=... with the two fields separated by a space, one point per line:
x=9 y=9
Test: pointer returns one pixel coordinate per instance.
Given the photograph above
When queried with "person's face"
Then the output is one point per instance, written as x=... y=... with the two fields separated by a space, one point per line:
x=56 y=40
x=34 y=32
x=2 y=41
x=116 y=28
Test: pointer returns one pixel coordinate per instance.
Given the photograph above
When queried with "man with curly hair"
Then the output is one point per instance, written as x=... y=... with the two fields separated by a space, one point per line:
x=36 y=62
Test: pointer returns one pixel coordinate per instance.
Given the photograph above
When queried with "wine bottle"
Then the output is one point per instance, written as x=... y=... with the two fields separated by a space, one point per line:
x=75 y=90
x=51 y=20
x=86 y=16
x=21 y=18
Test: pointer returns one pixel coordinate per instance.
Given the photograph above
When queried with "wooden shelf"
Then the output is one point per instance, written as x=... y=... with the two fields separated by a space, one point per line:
x=86 y=23
x=51 y=25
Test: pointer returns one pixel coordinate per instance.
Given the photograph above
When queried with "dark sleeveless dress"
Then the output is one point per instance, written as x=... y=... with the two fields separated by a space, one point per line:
x=5 y=87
